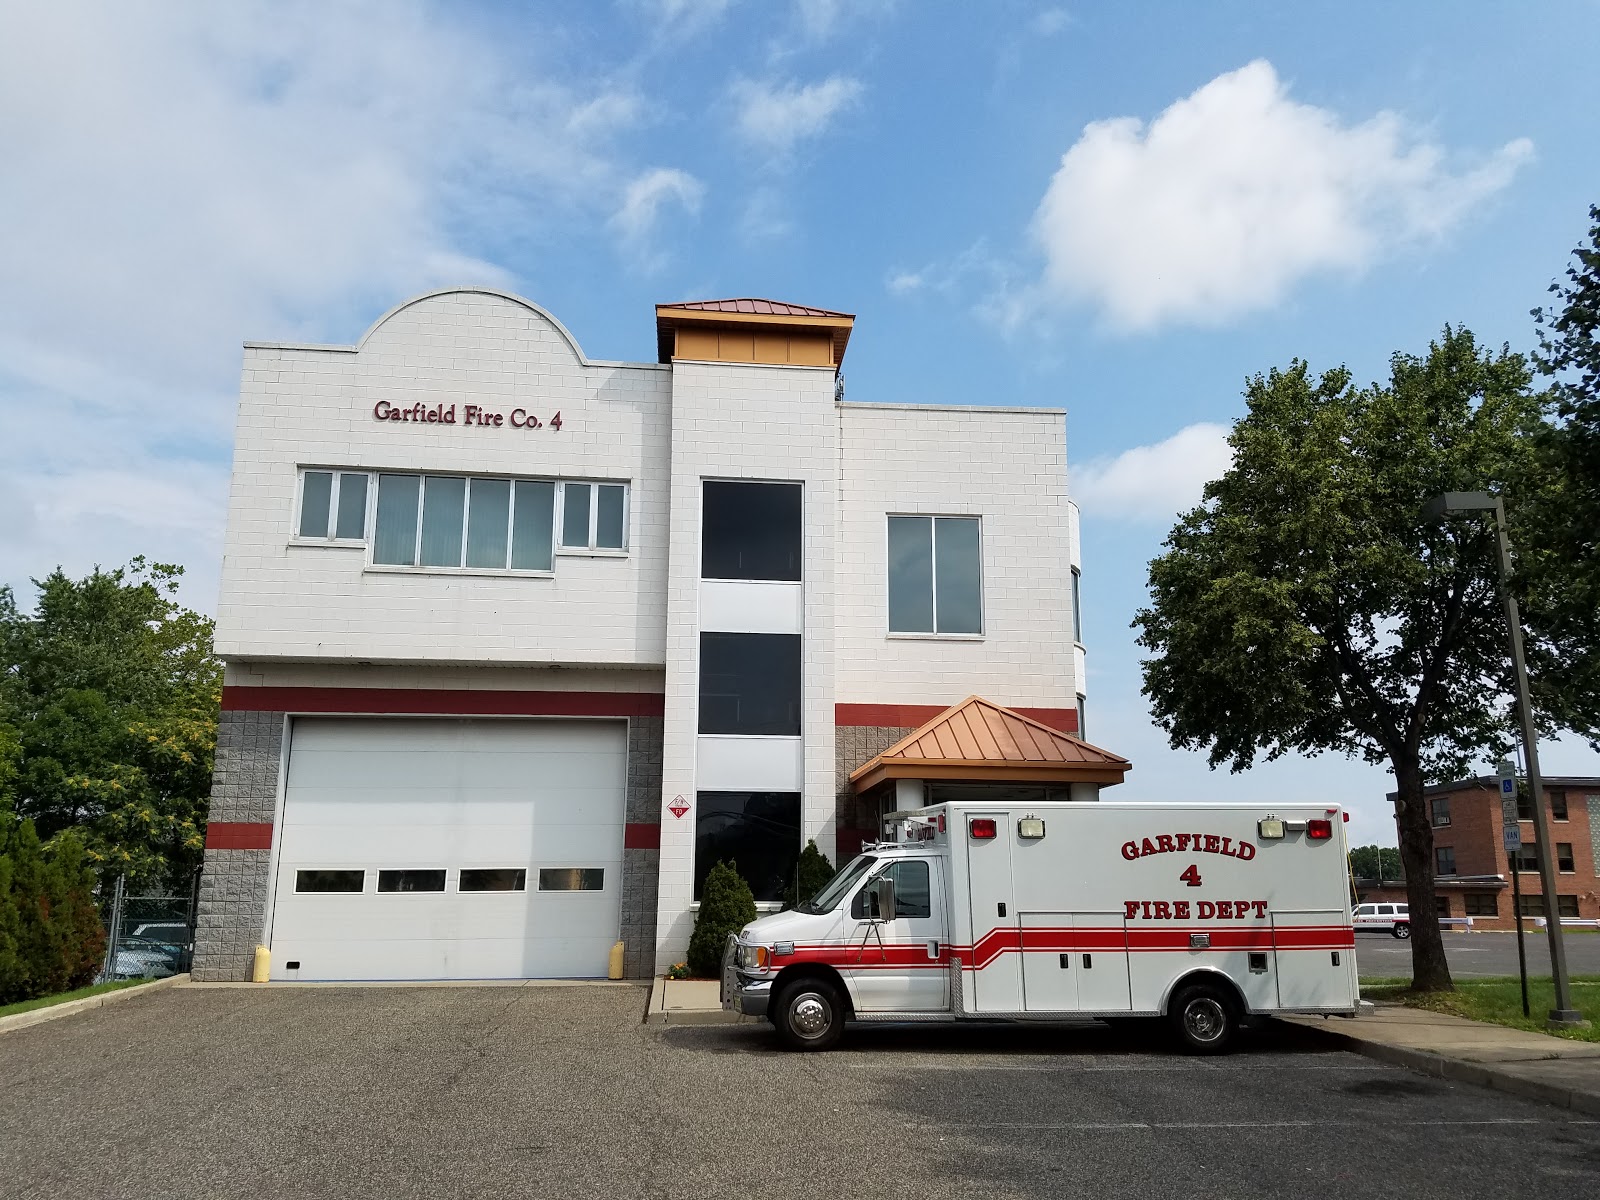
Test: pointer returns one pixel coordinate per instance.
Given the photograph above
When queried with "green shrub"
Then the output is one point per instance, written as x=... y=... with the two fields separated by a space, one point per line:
x=51 y=939
x=726 y=906
x=812 y=872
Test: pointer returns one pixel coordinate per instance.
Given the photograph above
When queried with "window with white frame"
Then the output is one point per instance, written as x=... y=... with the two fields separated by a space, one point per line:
x=333 y=506
x=452 y=521
x=935 y=575
x=594 y=516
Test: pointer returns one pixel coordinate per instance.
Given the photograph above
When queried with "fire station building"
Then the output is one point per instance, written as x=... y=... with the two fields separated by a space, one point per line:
x=519 y=643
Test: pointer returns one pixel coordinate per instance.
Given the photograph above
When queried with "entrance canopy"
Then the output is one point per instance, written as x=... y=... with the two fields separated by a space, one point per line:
x=980 y=742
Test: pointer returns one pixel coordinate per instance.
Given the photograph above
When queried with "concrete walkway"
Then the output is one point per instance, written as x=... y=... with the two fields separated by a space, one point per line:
x=1536 y=1066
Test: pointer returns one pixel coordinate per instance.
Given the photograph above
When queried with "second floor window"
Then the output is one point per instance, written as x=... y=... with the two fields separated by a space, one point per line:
x=452 y=521
x=1441 y=811
x=333 y=505
x=1444 y=860
x=935 y=575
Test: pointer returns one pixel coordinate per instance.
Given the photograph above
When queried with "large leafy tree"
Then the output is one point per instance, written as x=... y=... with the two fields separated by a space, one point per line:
x=1307 y=606
x=108 y=715
x=1561 y=555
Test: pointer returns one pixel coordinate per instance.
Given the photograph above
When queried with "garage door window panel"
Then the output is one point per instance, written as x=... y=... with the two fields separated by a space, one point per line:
x=758 y=832
x=493 y=879
x=572 y=879
x=330 y=882
x=412 y=879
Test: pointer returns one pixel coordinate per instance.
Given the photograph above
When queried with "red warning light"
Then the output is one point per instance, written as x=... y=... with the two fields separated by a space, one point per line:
x=981 y=828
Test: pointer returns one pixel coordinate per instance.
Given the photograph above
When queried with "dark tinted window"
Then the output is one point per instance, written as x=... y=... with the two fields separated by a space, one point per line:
x=1444 y=858
x=758 y=832
x=912 y=893
x=1558 y=805
x=750 y=531
x=329 y=881
x=750 y=683
x=428 y=879
x=493 y=879
x=1480 y=904
x=572 y=879
x=1564 y=859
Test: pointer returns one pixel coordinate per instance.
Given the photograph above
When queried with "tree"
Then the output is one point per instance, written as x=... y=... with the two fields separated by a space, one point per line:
x=109 y=694
x=1376 y=862
x=726 y=906
x=1306 y=605
x=812 y=870
x=1560 y=559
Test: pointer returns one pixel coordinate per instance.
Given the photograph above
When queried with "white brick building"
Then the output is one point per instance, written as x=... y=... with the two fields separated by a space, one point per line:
x=518 y=642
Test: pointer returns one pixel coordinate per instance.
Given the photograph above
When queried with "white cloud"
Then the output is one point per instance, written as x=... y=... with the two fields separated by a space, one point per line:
x=183 y=177
x=642 y=205
x=683 y=17
x=903 y=283
x=1153 y=483
x=776 y=116
x=1235 y=194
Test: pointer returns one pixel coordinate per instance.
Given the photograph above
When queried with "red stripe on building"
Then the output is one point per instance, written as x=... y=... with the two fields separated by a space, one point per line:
x=901 y=716
x=239 y=835
x=641 y=835
x=448 y=702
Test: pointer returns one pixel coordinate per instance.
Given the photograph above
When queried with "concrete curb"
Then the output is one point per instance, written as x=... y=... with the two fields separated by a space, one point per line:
x=657 y=1012
x=67 y=1008
x=1489 y=1075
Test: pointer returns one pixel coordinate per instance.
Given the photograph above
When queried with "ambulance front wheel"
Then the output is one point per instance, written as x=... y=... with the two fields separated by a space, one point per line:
x=1205 y=1018
x=1401 y=930
x=809 y=1015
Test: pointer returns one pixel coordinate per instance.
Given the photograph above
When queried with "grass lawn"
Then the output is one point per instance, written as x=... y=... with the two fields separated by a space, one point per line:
x=22 y=1006
x=1497 y=1000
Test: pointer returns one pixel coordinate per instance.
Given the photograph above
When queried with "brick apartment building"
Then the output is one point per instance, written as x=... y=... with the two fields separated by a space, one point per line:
x=1471 y=876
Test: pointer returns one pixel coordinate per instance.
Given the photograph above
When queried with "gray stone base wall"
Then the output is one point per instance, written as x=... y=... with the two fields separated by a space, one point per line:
x=857 y=817
x=641 y=869
x=234 y=883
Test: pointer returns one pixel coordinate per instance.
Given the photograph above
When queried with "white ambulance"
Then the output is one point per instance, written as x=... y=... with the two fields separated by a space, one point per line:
x=1200 y=914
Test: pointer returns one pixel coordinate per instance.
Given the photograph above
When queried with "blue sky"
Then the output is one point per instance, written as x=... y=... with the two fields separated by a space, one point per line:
x=1123 y=210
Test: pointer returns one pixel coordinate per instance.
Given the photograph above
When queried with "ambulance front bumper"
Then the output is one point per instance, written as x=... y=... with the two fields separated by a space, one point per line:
x=748 y=997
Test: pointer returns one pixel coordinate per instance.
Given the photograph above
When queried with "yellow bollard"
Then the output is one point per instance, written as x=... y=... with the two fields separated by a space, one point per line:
x=614 y=971
x=263 y=965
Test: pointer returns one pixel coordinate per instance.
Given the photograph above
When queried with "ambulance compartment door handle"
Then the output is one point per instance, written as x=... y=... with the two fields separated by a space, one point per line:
x=933 y=949
x=1002 y=907
x=1087 y=962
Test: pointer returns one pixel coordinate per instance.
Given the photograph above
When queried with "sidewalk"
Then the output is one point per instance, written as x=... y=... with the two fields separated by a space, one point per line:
x=687 y=1002
x=1532 y=1065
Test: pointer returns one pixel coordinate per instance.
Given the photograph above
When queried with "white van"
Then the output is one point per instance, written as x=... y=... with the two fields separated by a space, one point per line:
x=1394 y=919
x=1199 y=914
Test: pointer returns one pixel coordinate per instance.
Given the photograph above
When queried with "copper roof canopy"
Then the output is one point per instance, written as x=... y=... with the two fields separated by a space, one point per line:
x=754 y=314
x=978 y=741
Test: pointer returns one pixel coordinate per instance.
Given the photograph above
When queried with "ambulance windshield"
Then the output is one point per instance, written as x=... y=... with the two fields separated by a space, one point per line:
x=838 y=887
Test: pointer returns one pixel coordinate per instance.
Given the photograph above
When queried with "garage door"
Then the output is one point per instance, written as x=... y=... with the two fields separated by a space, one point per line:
x=444 y=849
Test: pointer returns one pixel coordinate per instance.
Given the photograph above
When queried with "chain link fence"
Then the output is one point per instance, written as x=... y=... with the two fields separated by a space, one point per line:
x=149 y=937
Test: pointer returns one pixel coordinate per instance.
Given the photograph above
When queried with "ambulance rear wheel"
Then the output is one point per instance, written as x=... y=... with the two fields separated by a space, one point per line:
x=809 y=1015
x=1205 y=1018
x=1401 y=930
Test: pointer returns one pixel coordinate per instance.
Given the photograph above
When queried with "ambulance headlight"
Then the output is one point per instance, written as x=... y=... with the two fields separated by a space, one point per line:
x=753 y=958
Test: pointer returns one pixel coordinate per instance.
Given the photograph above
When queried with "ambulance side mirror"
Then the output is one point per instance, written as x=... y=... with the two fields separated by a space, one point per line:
x=885 y=888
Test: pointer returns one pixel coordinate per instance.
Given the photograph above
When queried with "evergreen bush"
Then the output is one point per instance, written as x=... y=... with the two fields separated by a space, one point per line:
x=811 y=874
x=51 y=939
x=726 y=906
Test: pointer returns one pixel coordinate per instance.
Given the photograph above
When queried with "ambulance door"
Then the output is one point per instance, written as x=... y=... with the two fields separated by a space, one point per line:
x=1101 y=961
x=996 y=975
x=1314 y=959
x=900 y=965
x=1049 y=962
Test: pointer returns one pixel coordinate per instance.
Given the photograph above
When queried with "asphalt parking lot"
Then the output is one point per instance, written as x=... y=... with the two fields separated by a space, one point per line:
x=1478 y=954
x=552 y=1091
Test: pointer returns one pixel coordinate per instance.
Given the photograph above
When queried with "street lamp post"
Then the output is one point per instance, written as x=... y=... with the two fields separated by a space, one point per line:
x=1456 y=504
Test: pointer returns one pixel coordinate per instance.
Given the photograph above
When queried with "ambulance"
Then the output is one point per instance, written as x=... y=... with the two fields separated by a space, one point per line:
x=1198 y=915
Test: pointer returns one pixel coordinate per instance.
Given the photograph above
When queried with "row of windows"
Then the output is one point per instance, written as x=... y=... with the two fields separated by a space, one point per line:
x=1487 y=904
x=1440 y=807
x=461 y=521
x=1526 y=859
x=432 y=879
x=750 y=531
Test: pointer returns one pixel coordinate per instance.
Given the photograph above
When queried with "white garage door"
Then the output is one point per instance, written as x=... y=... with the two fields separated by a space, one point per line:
x=446 y=849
